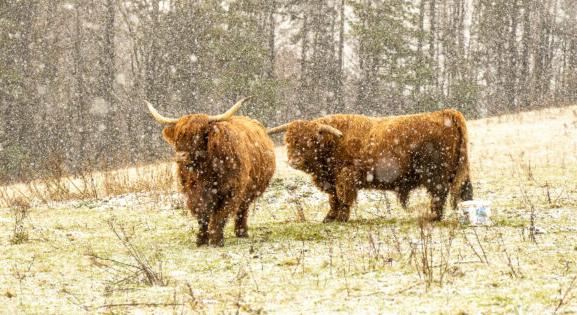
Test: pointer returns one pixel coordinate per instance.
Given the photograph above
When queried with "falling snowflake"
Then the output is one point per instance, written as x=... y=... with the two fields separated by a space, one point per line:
x=99 y=106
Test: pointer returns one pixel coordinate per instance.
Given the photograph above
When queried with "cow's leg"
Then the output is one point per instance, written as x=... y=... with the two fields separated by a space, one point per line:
x=202 y=235
x=403 y=195
x=346 y=193
x=219 y=218
x=467 y=190
x=346 y=199
x=438 y=194
x=341 y=202
x=241 y=220
x=327 y=186
x=335 y=208
x=202 y=209
x=216 y=226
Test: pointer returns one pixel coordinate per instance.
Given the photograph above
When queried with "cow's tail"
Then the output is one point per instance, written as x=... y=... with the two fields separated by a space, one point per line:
x=461 y=187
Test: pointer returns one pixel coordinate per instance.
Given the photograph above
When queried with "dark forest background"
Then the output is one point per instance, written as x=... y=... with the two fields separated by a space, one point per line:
x=74 y=74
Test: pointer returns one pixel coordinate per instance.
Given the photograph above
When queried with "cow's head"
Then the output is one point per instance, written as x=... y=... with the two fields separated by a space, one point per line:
x=308 y=143
x=189 y=134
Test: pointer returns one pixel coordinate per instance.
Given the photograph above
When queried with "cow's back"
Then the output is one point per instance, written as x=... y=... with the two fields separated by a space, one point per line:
x=403 y=144
x=350 y=125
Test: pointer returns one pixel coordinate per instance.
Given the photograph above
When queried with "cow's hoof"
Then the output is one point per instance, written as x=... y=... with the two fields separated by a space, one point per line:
x=201 y=241
x=329 y=219
x=242 y=234
x=342 y=219
x=217 y=243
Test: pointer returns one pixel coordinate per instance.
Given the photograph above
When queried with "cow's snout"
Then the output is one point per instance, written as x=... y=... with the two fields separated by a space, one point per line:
x=182 y=156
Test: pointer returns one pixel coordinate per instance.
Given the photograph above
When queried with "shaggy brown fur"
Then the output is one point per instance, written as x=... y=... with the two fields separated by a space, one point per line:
x=397 y=153
x=223 y=167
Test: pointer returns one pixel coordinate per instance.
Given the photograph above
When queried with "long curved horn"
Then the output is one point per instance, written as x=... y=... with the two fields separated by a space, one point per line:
x=158 y=117
x=331 y=129
x=229 y=112
x=278 y=129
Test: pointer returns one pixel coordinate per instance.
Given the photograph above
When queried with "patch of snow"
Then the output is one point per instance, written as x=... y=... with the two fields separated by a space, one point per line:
x=120 y=78
x=99 y=106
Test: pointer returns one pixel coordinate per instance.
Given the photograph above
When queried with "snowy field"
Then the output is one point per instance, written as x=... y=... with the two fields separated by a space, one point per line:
x=121 y=242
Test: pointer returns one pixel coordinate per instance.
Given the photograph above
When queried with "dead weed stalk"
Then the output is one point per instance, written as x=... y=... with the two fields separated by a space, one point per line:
x=377 y=257
x=433 y=263
x=480 y=252
x=514 y=266
x=139 y=270
x=527 y=201
x=20 y=209
x=21 y=274
x=566 y=296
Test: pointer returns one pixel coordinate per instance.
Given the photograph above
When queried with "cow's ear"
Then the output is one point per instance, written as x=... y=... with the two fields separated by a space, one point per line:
x=169 y=135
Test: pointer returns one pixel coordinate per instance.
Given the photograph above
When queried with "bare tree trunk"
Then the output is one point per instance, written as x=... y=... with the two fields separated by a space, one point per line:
x=80 y=103
x=512 y=72
x=271 y=39
x=571 y=69
x=28 y=107
x=432 y=42
x=340 y=71
x=151 y=83
x=443 y=49
x=552 y=31
x=539 y=55
x=108 y=63
x=303 y=66
x=420 y=42
x=526 y=41
x=153 y=59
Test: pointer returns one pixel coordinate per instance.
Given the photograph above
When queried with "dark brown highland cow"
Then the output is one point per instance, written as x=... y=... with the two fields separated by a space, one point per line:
x=224 y=163
x=345 y=153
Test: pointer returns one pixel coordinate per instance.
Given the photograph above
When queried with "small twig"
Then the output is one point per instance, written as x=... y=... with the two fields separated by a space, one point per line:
x=565 y=297
x=514 y=273
x=137 y=304
x=472 y=247
x=406 y=289
x=112 y=260
x=481 y=246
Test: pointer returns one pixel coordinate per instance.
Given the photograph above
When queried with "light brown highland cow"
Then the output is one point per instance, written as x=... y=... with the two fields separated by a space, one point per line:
x=224 y=163
x=345 y=153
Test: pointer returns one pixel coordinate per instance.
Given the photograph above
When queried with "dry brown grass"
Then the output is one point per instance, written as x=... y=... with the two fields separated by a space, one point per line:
x=90 y=185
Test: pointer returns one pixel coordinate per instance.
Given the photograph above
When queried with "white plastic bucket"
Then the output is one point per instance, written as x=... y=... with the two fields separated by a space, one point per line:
x=475 y=212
